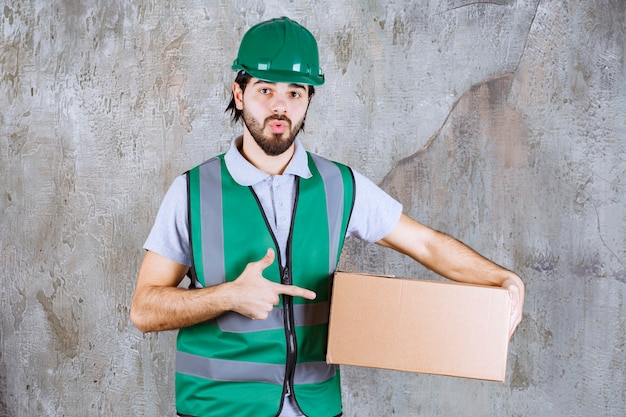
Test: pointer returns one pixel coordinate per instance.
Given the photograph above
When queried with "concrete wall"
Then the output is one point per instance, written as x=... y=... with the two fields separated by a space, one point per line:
x=501 y=122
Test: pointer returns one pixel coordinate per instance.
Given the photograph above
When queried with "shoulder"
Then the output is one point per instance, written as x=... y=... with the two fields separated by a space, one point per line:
x=216 y=160
x=327 y=167
x=321 y=159
x=178 y=187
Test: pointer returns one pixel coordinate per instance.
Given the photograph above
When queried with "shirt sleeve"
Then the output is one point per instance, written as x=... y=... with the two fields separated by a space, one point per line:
x=375 y=212
x=169 y=236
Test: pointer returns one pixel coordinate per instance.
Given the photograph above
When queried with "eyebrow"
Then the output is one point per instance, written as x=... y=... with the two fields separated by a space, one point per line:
x=292 y=85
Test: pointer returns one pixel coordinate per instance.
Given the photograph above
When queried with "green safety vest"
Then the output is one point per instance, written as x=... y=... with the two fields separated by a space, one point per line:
x=234 y=366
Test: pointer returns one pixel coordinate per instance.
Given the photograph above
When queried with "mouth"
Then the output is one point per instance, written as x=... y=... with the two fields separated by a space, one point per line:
x=278 y=126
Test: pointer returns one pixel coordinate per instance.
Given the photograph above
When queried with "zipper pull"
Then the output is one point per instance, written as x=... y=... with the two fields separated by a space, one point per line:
x=285 y=276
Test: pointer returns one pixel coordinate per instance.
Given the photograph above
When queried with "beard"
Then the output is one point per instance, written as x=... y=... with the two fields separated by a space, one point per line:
x=272 y=144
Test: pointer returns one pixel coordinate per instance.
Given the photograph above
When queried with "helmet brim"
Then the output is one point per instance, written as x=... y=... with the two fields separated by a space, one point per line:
x=282 y=76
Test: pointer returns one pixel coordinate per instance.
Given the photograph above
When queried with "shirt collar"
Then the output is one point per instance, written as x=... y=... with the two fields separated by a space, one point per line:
x=246 y=174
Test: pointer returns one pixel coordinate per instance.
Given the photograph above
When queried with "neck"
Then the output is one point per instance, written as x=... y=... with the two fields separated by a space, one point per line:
x=272 y=165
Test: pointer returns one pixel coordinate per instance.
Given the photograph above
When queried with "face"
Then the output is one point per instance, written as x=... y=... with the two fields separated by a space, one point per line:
x=272 y=113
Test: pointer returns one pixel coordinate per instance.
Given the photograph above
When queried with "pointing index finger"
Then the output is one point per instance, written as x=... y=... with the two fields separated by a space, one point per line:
x=295 y=291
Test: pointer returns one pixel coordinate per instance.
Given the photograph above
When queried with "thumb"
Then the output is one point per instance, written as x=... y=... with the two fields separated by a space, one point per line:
x=267 y=259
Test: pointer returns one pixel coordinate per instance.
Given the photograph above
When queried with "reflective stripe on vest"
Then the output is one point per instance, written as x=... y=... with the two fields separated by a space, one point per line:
x=225 y=370
x=233 y=350
x=304 y=315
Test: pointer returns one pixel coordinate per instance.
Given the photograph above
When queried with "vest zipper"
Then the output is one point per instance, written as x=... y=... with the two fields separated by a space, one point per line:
x=286 y=279
x=290 y=325
x=290 y=335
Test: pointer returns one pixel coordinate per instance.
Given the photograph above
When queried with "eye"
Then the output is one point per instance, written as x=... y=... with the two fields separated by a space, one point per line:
x=264 y=91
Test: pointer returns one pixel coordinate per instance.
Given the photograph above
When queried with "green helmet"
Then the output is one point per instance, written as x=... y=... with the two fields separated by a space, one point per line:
x=280 y=50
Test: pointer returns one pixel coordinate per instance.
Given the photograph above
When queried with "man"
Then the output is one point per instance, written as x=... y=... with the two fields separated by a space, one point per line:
x=259 y=230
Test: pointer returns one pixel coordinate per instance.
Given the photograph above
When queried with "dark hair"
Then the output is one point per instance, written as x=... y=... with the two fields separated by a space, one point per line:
x=243 y=78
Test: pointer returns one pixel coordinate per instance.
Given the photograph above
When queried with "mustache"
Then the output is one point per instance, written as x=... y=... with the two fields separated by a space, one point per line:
x=281 y=117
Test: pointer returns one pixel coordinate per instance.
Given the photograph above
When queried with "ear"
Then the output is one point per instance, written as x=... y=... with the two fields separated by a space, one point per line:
x=238 y=96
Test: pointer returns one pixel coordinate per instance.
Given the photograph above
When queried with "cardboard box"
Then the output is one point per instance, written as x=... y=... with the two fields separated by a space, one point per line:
x=431 y=327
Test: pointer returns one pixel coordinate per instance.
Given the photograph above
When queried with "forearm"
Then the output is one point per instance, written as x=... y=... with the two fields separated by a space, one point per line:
x=456 y=261
x=445 y=255
x=157 y=308
x=159 y=304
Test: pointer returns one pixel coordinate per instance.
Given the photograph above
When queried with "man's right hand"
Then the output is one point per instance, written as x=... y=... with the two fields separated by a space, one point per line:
x=254 y=296
x=159 y=304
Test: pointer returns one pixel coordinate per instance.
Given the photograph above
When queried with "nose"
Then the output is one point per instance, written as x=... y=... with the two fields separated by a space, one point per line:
x=279 y=105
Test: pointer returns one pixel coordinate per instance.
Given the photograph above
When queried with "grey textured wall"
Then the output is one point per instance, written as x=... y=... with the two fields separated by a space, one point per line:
x=500 y=122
